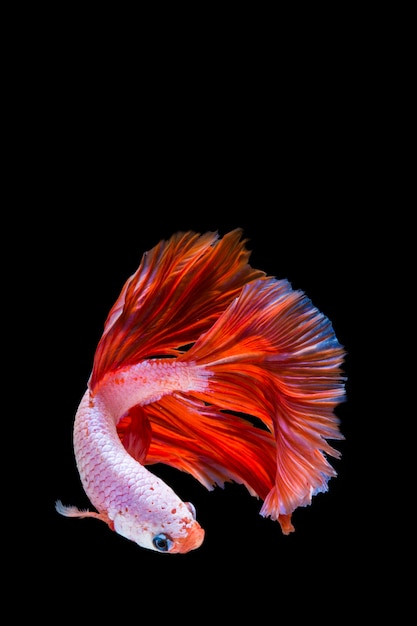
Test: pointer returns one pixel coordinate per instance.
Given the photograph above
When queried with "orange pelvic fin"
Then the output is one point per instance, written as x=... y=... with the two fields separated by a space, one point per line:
x=135 y=433
x=213 y=446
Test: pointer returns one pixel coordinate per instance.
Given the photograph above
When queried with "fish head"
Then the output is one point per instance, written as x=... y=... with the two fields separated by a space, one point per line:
x=172 y=530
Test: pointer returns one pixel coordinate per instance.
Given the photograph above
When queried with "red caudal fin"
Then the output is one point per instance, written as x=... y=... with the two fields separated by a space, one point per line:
x=179 y=290
x=273 y=355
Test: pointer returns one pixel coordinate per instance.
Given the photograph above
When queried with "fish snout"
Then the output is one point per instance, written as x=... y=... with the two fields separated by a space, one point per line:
x=193 y=539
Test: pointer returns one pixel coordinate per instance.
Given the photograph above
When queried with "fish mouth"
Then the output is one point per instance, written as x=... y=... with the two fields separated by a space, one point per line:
x=193 y=540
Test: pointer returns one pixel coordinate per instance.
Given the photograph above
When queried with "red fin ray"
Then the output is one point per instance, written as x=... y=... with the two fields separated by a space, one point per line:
x=212 y=446
x=275 y=356
x=180 y=288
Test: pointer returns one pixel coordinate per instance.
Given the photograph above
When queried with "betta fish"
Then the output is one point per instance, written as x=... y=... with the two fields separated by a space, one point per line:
x=214 y=368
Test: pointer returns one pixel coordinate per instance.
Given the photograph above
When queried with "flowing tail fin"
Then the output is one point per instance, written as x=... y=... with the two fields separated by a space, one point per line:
x=273 y=355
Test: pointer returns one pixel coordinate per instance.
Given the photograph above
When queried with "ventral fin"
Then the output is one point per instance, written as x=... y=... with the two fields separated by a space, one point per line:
x=135 y=433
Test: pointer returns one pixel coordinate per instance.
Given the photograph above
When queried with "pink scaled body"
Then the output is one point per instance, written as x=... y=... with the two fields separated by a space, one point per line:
x=132 y=500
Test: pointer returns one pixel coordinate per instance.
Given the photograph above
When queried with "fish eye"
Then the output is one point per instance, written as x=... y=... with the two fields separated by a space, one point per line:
x=162 y=543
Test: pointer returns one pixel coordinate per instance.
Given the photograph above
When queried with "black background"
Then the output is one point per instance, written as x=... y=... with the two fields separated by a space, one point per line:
x=302 y=239
x=111 y=167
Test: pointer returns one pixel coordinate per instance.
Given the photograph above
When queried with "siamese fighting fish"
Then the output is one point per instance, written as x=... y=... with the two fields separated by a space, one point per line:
x=197 y=345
